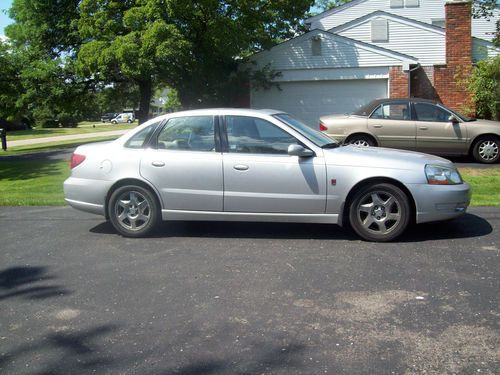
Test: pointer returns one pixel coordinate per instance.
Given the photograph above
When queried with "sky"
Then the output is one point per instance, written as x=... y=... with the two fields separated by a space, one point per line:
x=4 y=19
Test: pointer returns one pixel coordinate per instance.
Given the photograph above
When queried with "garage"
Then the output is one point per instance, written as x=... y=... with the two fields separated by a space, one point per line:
x=308 y=100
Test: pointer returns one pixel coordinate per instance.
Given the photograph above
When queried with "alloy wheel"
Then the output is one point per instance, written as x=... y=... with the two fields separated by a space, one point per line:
x=132 y=210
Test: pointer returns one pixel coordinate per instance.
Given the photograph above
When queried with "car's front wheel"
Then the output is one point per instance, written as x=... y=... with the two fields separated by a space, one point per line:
x=487 y=150
x=133 y=211
x=379 y=212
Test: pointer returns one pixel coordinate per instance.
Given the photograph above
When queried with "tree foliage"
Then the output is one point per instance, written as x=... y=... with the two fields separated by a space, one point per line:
x=484 y=86
x=76 y=48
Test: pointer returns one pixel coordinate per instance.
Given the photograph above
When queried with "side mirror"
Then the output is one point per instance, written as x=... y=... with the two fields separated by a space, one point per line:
x=453 y=119
x=300 y=151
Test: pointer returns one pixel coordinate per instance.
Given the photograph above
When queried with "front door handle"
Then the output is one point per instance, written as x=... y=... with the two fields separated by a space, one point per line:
x=424 y=128
x=377 y=126
x=241 y=167
x=158 y=164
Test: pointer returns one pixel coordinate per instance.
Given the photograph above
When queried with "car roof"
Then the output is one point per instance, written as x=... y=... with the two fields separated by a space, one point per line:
x=222 y=111
x=367 y=109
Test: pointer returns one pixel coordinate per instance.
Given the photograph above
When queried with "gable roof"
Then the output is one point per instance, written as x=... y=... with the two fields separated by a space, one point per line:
x=396 y=18
x=362 y=45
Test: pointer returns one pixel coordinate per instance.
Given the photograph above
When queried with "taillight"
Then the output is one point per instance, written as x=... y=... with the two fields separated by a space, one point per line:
x=322 y=127
x=76 y=160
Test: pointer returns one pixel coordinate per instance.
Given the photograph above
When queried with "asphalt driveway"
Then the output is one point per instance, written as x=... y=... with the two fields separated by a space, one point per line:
x=236 y=298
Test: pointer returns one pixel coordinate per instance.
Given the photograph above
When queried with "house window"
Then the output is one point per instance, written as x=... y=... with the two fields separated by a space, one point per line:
x=380 y=30
x=396 y=3
x=316 y=45
x=412 y=3
x=438 y=22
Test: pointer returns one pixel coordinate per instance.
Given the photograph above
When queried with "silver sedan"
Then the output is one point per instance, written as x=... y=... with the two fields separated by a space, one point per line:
x=249 y=165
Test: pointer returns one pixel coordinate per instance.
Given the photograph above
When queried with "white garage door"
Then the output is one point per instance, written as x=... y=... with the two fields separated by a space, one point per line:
x=309 y=100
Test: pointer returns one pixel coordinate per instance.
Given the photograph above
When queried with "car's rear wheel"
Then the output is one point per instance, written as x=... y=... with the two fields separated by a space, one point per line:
x=361 y=140
x=487 y=150
x=379 y=212
x=133 y=211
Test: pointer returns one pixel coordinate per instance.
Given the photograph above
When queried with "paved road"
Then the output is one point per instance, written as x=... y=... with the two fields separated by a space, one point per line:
x=61 y=138
x=231 y=298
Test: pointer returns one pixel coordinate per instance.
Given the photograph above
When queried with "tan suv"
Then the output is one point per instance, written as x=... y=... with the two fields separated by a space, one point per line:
x=419 y=125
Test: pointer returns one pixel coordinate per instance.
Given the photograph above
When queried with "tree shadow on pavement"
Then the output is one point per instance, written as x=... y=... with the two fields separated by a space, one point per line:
x=29 y=283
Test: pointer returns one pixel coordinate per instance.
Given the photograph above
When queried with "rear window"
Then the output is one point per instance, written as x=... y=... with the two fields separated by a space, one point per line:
x=140 y=139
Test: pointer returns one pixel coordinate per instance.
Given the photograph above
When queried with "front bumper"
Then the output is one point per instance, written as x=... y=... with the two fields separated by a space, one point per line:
x=440 y=202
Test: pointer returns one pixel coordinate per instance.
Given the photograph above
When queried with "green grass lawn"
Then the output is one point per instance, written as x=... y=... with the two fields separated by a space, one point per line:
x=36 y=183
x=49 y=132
x=32 y=183
x=51 y=146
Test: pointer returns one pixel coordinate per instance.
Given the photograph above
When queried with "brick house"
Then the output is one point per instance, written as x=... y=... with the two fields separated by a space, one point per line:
x=368 y=49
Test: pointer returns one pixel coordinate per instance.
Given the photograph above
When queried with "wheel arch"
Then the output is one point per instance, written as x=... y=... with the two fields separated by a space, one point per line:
x=377 y=180
x=131 y=181
x=364 y=134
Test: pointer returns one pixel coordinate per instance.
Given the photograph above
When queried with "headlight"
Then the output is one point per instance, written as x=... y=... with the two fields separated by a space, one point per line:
x=439 y=175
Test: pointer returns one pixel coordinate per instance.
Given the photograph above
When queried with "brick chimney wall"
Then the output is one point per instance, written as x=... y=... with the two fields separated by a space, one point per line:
x=398 y=82
x=458 y=56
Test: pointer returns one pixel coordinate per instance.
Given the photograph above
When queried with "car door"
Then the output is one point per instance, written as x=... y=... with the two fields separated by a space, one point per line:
x=185 y=165
x=436 y=133
x=393 y=125
x=260 y=176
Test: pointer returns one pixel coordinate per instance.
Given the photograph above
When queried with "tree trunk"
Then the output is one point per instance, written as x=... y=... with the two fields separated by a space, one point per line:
x=145 y=91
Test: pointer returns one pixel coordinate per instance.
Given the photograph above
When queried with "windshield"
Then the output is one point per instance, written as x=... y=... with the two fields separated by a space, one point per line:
x=315 y=136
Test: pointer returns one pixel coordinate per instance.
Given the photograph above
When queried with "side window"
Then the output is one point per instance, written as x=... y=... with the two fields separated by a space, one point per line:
x=140 y=139
x=431 y=112
x=392 y=111
x=256 y=136
x=192 y=133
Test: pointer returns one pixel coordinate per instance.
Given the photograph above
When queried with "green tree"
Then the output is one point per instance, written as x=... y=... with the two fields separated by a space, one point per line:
x=10 y=83
x=484 y=86
x=192 y=46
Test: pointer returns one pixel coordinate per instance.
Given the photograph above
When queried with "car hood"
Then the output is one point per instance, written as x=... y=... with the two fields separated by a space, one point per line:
x=494 y=125
x=378 y=157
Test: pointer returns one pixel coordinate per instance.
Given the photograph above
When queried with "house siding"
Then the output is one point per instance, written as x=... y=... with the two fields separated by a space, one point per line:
x=336 y=53
x=427 y=46
x=426 y=12
x=482 y=50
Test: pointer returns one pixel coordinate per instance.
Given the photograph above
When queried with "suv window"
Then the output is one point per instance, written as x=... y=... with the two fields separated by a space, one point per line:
x=431 y=112
x=392 y=111
x=140 y=139
x=256 y=136
x=191 y=133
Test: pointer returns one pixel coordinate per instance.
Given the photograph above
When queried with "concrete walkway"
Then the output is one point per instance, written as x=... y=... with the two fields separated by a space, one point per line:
x=60 y=138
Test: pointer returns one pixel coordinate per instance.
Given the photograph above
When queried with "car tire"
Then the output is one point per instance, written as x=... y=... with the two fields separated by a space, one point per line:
x=114 y=122
x=487 y=150
x=361 y=141
x=379 y=212
x=134 y=211
x=129 y=121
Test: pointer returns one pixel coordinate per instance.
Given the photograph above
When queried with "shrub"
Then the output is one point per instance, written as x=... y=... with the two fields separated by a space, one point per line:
x=484 y=86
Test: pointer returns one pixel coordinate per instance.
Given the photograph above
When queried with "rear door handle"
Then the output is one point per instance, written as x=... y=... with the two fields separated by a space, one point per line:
x=158 y=164
x=424 y=128
x=240 y=167
x=377 y=126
